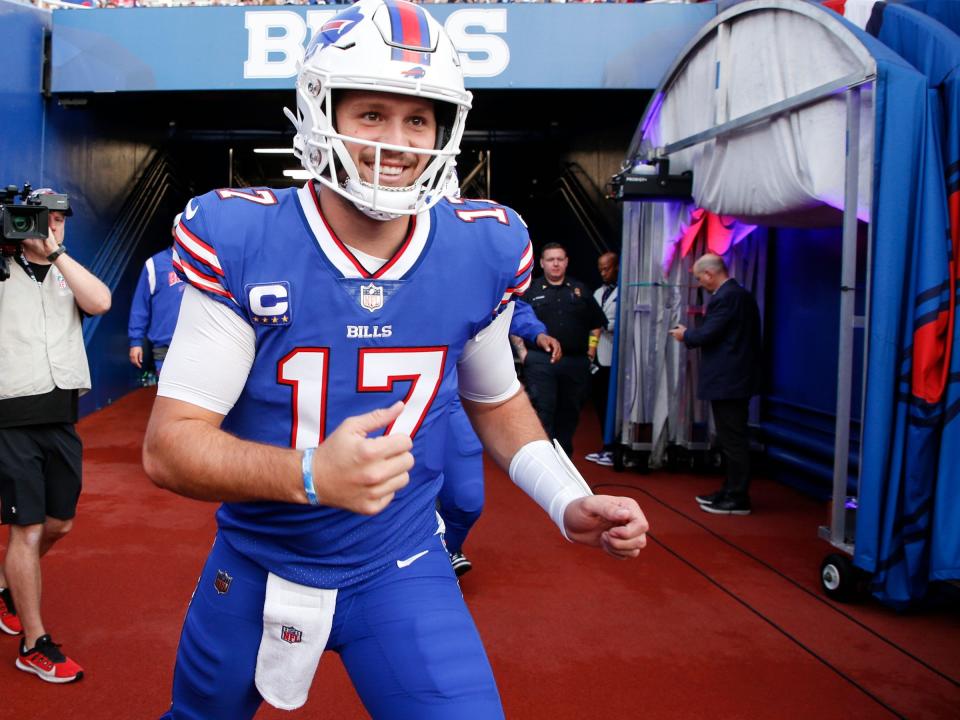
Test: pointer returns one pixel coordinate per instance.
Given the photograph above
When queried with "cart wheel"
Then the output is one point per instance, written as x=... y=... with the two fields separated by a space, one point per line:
x=839 y=578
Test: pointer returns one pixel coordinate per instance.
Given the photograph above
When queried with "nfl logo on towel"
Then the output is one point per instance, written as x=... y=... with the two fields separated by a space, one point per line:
x=222 y=582
x=371 y=297
x=290 y=634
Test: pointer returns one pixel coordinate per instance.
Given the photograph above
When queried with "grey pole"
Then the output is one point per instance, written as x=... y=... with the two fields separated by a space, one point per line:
x=848 y=280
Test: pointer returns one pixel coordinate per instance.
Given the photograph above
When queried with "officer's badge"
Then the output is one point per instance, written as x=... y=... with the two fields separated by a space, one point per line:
x=576 y=291
x=222 y=582
x=290 y=634
x=371 y=297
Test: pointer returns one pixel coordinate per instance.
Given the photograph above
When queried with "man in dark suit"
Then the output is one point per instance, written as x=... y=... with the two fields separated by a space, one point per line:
x=729 y=342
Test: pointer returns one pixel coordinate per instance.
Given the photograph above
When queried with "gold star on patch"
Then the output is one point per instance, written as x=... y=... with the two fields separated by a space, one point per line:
x=274 y=321
x=286 y=319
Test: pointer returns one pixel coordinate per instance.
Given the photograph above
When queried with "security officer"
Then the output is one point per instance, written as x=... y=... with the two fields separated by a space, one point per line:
x=43 y=370
x=571 y=315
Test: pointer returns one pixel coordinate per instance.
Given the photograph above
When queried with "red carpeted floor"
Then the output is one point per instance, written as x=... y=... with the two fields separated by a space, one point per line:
x=721 y=617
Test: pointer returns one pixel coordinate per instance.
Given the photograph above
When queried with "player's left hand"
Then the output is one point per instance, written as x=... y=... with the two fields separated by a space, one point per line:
x=616 y=524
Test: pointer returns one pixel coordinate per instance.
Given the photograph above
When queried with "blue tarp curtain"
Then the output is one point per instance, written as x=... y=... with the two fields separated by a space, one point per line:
x=945 y=553
x=908 y=523
x=943 y=11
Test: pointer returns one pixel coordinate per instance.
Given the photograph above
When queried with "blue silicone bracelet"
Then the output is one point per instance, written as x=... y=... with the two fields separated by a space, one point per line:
x=307 y=466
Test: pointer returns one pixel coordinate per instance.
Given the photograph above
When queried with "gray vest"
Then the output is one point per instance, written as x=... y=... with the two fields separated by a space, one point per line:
x=41 y=336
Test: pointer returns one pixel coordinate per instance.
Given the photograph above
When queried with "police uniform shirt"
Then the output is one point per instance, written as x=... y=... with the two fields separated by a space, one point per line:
x=569 y=312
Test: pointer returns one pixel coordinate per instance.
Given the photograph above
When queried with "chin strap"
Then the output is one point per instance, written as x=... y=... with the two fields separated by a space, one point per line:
x=364 y=190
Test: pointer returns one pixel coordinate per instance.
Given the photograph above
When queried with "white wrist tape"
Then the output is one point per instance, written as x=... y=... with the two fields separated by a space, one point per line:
x=542 y=470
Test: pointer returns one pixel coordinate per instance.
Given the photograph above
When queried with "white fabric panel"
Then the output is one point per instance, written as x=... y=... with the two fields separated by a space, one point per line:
x=151 y=275
x=605 y=346
x=859 y=11
x=777 y=169
x=657 y=394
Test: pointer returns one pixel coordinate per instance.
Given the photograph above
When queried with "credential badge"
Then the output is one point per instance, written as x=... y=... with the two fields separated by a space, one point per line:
x=290 y=634
x=371 y=297
x=222 y=582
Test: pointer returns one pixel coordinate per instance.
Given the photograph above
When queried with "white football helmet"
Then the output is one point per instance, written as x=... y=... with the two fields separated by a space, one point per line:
x=388 y=46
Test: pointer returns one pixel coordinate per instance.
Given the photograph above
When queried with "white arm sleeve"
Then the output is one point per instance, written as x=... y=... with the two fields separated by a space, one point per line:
x=210 y=355
x=486 y=371
x=544 y=472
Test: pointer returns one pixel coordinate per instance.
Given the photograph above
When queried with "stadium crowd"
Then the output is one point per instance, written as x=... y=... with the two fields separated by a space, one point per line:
x=67 y=4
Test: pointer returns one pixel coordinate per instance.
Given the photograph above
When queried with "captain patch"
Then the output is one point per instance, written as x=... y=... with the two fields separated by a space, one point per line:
x=269 y=303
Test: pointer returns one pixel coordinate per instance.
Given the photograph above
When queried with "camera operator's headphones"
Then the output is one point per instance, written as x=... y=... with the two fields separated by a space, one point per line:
x=57 y=203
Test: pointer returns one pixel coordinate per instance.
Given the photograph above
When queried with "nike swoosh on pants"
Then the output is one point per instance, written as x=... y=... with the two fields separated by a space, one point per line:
x=412 y=559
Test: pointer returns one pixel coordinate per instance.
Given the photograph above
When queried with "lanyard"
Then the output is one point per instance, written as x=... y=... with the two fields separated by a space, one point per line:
x=26 y=266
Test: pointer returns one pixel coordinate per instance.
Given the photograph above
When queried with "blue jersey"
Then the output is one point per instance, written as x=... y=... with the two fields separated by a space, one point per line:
x=156 y=301
x=334 y=341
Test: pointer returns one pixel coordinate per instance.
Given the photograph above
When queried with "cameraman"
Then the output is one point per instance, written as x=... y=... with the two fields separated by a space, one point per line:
x=43 y=370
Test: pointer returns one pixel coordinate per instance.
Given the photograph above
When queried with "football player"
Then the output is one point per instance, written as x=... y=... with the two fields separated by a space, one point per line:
x=307 y=388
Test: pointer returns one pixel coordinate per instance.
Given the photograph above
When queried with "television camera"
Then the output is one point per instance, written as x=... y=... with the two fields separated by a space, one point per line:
x=26 y=220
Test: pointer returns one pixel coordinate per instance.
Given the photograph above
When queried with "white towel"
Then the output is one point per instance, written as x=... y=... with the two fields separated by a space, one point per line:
x=296 y=626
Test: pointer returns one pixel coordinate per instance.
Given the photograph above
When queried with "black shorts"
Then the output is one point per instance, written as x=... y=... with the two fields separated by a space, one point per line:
x=40 y=473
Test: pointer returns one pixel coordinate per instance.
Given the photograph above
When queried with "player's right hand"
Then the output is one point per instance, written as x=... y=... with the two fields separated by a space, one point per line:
x=359 y=473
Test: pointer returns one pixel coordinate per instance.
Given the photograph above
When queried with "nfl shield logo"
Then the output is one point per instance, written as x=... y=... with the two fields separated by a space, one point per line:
x=371 y=297
x=222 y=582
x=290 y=634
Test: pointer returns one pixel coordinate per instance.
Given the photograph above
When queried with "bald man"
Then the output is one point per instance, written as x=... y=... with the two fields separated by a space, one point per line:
x=608 y=265
x=730 y=345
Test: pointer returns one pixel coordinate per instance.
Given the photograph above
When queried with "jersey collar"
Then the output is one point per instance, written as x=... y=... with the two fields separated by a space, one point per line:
x=344 y=261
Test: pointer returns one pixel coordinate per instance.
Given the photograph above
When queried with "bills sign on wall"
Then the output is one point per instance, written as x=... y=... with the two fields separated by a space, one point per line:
x=511 y=46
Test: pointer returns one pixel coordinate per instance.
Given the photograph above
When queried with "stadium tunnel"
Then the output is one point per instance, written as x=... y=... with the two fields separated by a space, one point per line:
x=133 y=112
x=550 y=157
